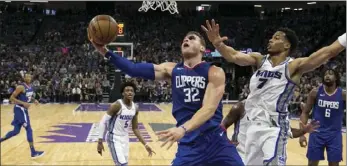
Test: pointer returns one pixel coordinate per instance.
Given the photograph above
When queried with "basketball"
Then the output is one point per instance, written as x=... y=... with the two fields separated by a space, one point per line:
x=102 y=29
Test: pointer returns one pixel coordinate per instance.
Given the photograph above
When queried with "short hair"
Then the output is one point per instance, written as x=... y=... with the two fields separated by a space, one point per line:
x=126 y=84
x=291 y=37
x=336 y=74
x=203 y=42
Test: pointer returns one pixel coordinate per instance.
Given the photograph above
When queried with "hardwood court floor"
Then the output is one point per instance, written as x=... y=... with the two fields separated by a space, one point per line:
x=71 y=146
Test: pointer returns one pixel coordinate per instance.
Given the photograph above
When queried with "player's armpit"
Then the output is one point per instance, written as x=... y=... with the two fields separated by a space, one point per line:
x=212 y=98
x=163 y=71
x=311 y=98
x=316 y=59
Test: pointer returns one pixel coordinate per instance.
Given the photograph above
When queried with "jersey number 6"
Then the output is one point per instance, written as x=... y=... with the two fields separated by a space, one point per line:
x=262 y=82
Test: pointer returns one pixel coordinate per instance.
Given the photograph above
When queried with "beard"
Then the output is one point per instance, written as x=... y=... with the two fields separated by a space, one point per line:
x=328 y=84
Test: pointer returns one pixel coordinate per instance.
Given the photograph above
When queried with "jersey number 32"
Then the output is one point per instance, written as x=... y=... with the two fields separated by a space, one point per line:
x=191 y=95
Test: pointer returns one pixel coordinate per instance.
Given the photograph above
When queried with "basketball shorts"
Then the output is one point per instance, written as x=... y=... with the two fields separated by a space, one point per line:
x=21 y=117
x=119 y=148
x=239 y=136
x=210 y=148
x=330 y=141
x=266 y=143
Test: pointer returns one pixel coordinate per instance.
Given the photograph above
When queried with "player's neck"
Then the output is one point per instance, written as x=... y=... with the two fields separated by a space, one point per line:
x=278 y=58
x=127 y=102
x=193 y=61
x=330 y=90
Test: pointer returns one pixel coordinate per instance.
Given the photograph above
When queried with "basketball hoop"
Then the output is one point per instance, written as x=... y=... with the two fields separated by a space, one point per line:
x=164 y=5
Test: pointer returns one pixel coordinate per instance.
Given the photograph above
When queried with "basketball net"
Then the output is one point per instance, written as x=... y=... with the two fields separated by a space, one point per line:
x=164 y=5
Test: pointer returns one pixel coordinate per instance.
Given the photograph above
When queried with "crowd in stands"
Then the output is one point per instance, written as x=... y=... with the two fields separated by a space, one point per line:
x=66 y=68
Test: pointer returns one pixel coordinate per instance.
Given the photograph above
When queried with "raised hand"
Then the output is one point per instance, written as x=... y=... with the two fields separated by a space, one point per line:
x=212 y=32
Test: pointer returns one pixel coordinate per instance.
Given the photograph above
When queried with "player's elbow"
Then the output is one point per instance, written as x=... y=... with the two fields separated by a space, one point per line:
x=12 y=98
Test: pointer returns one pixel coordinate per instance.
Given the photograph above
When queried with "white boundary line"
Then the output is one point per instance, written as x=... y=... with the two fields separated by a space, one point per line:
x=74 y=110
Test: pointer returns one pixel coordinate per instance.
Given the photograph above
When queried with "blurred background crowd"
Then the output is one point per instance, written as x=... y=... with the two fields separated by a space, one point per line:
x=54 y=47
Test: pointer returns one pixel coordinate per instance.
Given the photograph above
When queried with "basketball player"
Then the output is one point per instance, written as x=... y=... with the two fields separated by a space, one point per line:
x=117 y=119
x=271 y=89
x=327 y=102
x=237 y=116
x=197 y=91
x=22 y=97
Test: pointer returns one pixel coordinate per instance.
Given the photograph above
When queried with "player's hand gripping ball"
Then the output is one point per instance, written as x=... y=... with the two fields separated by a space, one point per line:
x=102 y=29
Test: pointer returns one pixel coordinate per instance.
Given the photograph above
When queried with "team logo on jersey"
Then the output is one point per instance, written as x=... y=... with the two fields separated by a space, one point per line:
x=84 y=132
x=268 y=74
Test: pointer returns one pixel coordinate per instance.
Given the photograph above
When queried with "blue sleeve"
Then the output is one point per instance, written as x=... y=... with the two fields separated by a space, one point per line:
x=143 y=70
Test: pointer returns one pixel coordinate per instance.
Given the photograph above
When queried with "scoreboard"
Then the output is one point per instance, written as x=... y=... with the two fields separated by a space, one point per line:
x=121 y=29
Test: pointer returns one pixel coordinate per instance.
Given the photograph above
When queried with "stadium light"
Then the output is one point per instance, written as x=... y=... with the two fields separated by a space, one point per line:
x=295 y=9
x=311 y=3
x=257 y=5
x=300 y=9
x=286 y=8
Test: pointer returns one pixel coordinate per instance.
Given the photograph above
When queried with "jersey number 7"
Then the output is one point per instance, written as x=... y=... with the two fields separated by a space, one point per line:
x=262 y=82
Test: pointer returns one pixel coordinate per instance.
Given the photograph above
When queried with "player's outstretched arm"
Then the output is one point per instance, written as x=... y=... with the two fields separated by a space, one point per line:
x=311 y=98
x=229 y=53
x=316 y=59
x=144 y=70
x=213 y=96
x=234 y=115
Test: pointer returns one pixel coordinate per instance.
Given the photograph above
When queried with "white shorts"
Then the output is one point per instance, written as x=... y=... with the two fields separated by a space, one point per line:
x=119 y=148
x=239 y=136
x=266 y=143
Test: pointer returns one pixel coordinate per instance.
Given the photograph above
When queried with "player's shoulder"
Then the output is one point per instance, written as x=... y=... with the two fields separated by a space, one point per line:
x=20 y=87
x=215 y=72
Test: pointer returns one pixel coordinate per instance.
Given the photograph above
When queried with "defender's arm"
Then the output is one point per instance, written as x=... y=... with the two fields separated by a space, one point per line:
x=113 y=110
x=307 y=64
x=234 y=115
x=311 y=98
x=237 y=57
x=213 y=95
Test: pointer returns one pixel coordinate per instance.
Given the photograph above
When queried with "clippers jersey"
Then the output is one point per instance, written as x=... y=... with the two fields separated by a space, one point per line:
x=119 y=124
x=270 y=91
x=329 y=110
x=188 y=90
x=25 y=96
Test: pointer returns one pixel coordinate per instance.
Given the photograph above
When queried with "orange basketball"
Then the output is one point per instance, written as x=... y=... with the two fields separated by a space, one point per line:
x=102 y=29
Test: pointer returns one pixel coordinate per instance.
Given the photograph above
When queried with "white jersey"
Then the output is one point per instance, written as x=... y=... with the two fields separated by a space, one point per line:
x=119 y=124
x=270 y=91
